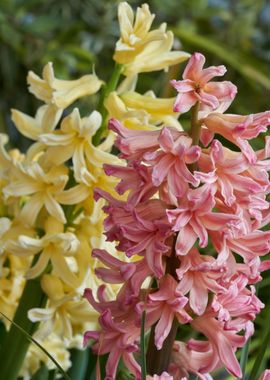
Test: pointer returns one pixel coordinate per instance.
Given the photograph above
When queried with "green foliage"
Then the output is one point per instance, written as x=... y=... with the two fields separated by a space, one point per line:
x=79 y=360
x=9 y=375
x=142 y=341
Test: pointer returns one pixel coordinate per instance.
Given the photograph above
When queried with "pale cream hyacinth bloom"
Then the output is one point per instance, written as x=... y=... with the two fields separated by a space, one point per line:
x=142 y=112
x=40 y=188
x=140 y=49
x=52 y=247
x=58 y=94
x=74 y=139
x=61 y=93
x=34 y=357
x=10 y=230
x=45 y=120
x=12 y=277
x=65 y=312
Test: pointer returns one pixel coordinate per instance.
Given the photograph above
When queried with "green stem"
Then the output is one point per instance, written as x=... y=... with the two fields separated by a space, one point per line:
x=158 y=360
x=16 y=344
x=107 y=89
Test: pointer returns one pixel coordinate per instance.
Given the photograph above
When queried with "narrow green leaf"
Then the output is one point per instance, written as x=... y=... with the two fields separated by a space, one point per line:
x=3 y=333
x=31 y=339
x=52 y=374
x=41 y=374
x=143 y=358
x=79 y=360
x=91 y=364
x=254 y=374
x=15 y=344
x=244 y=358
x=99 y=370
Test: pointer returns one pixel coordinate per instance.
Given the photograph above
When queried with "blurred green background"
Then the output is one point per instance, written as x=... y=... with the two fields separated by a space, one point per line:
x=79 y=34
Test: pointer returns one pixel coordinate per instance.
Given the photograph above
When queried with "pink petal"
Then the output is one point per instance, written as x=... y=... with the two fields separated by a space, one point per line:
x=163 y=327
x=184 y=102
x=185 y=240
x=183 y=85
x=198 y=297
x=211 y=72
x=194 y=67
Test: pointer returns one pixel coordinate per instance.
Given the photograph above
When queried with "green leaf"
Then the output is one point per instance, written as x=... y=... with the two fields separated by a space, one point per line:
x=41 y=374
x=31 y=339
x=79 y=360
x=3 y=333
x=52 y=374
x=244 y=358
x=98 y=371
x=239 y=61
x=254 y=374
x=143 y=358
x=15 y=345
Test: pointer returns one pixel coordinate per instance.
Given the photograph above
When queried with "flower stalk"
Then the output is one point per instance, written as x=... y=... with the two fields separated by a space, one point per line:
x=158 y=360
x=107 y=89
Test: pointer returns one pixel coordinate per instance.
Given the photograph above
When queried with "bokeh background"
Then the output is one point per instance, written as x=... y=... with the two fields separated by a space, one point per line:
x=78 y=36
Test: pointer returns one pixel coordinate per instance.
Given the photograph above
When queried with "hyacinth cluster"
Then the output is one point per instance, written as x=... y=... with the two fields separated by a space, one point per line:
x=49 y=222
x=189 y=214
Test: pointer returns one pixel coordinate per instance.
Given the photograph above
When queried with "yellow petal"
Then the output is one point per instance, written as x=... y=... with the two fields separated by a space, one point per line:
x=39 y=87
x=74 y=195
x=53 y=226
x=143 y=21
x=125 y=17
x=61 y=93
x=115 y=106
x=152 y=105
x=156 y=56
x=49 y=116
x=57 y=138
x=25 y=124
x=39 y=267
x=54 y=209
x=61 y=268
x=31 y=209
x=52 y=286
x=38 y=314
x=66 y=92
